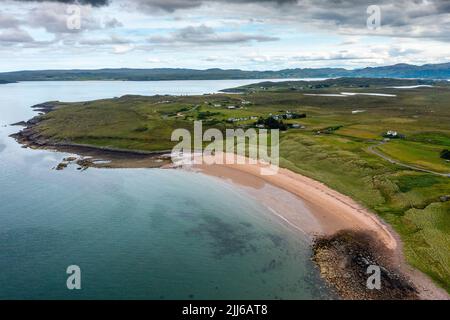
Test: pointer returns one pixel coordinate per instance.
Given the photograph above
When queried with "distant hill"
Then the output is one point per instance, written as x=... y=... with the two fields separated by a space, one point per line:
x=336 y=83
x=428 y=71
x=164 y=74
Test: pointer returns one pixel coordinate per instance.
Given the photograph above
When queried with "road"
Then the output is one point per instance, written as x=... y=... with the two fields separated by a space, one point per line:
x=373 y=150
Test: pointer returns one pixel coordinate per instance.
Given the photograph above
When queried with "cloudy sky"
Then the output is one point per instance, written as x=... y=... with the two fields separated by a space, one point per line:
x=245 y=34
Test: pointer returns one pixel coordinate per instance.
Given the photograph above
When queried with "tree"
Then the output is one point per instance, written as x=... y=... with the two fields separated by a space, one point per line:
x=272 y=123
x=445 y=154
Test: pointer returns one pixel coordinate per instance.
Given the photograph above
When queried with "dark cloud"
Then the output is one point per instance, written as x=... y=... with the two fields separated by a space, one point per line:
x=53 y=18
x=173 y=5
x=341 y=12
x=15 y=36
x=338 y=9
x=7 y=21
x=399 y=18
x=95 y=3
x=206 y=35
x=353 y=12
x=112 y=23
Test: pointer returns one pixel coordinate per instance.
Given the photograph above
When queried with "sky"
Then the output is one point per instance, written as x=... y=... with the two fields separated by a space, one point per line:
x=232 y=34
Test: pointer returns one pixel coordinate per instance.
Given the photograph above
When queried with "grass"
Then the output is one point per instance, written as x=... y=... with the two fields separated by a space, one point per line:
x=420 y=154
x=408 y=200
x=432 y=222
x=436 y=138
x=411 y=182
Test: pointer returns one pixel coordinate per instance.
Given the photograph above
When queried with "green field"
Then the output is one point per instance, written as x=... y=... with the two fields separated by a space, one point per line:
x=423 y=155
x=411 y=201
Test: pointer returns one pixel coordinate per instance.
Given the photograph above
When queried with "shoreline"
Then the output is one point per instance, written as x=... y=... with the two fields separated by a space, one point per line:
x=331 y=212
x=328 y=216
x=90 y=155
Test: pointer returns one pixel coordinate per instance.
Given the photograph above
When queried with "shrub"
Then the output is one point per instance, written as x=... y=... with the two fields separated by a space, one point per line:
x=445 y=154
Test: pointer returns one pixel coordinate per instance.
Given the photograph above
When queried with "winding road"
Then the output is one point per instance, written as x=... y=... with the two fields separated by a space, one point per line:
x=373 y=150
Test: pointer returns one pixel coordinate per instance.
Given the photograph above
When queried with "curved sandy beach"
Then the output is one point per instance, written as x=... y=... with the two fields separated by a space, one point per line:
x=317 y=210
x=299 y=202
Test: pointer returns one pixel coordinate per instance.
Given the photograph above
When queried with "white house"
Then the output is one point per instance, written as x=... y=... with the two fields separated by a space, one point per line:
x=391 y=133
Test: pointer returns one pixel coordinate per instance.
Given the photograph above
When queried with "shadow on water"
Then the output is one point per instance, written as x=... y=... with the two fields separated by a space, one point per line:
x=226 y=238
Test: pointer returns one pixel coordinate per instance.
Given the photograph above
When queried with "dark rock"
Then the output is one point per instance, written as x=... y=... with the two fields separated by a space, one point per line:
x=61 y=166
x=44 y=107
x=20 y=123
x=343 y=260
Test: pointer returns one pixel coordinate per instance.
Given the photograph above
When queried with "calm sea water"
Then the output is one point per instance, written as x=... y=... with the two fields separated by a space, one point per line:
x=135 y=233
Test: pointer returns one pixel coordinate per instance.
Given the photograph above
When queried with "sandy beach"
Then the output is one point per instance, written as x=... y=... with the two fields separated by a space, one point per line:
x=316 y=210
x=328 y=210
x=299 y=202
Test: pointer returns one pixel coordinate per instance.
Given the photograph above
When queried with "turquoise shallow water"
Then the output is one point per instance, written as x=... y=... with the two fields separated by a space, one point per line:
x=135 y=233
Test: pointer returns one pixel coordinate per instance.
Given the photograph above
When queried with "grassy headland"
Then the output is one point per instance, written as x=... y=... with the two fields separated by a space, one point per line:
x=332 y=144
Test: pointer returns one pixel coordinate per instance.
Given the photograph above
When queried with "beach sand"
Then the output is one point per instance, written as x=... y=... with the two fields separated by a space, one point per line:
x=317 y=210
x=299 y=202
x=331 y=211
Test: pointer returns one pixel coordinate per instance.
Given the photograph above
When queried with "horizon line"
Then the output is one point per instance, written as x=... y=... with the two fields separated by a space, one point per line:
x=222 y=69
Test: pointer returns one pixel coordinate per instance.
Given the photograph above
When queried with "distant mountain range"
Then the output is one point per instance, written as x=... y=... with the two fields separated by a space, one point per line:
x=427 y=71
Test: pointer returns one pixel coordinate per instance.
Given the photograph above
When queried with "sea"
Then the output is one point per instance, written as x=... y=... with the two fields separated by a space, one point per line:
x=136 y=233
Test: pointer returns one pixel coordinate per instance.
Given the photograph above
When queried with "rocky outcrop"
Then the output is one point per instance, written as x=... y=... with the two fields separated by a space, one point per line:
x=61 y=166
x=344 y=260
x=19 y=124
x=45 y=107
x=30 y=136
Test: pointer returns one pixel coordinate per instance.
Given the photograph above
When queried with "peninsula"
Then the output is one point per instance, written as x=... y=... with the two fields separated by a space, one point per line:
x=329 y=132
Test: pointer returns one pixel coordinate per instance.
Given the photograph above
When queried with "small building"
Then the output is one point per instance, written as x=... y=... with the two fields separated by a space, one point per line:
x=393 y=135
